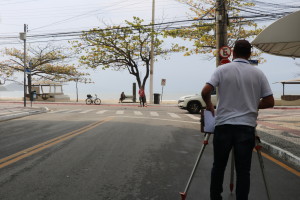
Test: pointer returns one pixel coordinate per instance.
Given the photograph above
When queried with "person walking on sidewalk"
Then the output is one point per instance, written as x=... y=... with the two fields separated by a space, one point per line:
x=142 y=96
x=242 y=90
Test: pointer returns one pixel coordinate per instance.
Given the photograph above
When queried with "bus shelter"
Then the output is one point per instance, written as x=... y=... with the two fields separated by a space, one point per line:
x=289 y=97
x=48 y=91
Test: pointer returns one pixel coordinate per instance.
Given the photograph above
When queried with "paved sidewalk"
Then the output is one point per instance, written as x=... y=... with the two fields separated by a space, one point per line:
x=8 y=112
x=279 y=128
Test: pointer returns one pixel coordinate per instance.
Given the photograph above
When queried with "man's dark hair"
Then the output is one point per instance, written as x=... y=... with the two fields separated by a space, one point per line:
x=242 y=48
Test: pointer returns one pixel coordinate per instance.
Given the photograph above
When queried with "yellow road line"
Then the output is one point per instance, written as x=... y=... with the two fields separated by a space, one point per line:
x=297 y=173
x=281 y=164
x=37 y=148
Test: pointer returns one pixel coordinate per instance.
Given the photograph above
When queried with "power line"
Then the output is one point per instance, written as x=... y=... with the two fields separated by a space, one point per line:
x=257 y=16
x=88 y=13
x=267 y=4
x=21 y=2
x=76 y=16
x=254 y=11
x=74 y=33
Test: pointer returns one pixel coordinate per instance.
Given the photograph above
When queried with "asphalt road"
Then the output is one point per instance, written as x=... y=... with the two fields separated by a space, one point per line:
x=116 y=153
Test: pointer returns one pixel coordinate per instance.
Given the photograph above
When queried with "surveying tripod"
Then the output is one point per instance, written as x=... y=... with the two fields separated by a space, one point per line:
x=257 y=147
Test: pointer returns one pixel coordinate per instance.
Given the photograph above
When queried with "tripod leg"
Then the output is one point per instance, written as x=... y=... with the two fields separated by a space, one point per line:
x=231 y=186
x=205 y=142
x=261 y=164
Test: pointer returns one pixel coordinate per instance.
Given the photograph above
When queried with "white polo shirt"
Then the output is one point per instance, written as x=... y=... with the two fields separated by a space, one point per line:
x=240 y=88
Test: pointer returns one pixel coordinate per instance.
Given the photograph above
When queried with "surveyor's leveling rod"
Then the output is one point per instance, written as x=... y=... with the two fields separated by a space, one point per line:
x=261 y=164
x=205 y=142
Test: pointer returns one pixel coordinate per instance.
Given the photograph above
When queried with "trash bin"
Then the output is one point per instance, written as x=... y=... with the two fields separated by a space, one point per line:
x=156 y=98
x=32 y=95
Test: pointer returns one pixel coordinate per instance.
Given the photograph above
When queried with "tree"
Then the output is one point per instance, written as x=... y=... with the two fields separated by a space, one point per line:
x=202 y=32
x=47 y=63
x=5 y=74
x=121 y=48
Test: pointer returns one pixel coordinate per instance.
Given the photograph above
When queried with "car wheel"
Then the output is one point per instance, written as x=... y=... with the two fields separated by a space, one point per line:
x=194 y=107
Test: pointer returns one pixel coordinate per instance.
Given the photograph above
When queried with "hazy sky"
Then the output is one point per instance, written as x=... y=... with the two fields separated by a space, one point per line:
x=184 y=75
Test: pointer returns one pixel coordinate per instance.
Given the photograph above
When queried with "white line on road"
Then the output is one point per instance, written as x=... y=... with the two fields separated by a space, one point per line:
x=86 y=111
x=193 y=116
x=154 y=114
x=72 y=111
x=138 y=113
x=174 y=115
x=101 y=111
x=171 y=120
x=120 y=112
x=58 y=111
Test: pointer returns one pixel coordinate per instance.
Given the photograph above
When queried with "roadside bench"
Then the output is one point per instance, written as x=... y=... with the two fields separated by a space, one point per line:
x=130 y=98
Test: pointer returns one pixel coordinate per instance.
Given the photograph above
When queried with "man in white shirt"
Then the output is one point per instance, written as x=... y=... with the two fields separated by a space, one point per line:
x=242 y=90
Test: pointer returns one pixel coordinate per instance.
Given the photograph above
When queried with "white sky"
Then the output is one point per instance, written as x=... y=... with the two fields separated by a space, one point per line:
x=185 y=75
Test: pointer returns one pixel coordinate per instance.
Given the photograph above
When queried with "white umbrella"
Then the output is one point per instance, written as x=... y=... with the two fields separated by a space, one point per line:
x=281 y=38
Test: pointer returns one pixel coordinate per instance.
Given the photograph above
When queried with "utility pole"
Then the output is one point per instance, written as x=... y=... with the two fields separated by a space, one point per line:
x=221 y=27
x=152 y=53
x=23 y=37
x=76 y=80
x=29 y=79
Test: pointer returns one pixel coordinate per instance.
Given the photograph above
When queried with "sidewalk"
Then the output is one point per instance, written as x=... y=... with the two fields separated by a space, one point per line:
x=8 y=112
x=278 y=128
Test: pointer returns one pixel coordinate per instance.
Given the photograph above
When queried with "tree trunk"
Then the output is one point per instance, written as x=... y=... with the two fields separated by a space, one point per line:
x=147 y=73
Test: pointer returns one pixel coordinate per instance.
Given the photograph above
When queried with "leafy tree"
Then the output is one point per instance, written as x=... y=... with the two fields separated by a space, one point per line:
x=48 y=63
x=122 y=48
x=202 y=32
x=6 y=74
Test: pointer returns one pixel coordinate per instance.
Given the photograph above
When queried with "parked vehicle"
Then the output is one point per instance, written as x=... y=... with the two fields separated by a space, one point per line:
x=90 y=100
x=194 y=103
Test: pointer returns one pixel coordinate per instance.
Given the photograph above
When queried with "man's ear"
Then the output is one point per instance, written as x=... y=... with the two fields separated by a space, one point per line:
x=233 y=55
x=248 y=56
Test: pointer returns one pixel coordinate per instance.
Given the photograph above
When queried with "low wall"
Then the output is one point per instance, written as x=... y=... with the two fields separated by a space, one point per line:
x=290 y=97
x=280 y=102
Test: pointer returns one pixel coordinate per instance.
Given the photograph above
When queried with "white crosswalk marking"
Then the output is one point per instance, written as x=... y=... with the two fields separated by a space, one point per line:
x=133 y=112
x=86 y=111
x=154 y=114
x=101 y=111
x=72 y=111
x=138 y=113
x=58 y=111
x=120 y=112
x=174 y=115
x=193 y=116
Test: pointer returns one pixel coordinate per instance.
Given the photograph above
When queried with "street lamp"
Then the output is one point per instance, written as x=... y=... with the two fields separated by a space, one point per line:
x=29 y=76
x=152 y=53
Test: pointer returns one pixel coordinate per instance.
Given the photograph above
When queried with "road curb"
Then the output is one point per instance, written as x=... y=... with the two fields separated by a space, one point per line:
x=287 y=108
x=102 y=104
x=283 y=154
x=34 y=111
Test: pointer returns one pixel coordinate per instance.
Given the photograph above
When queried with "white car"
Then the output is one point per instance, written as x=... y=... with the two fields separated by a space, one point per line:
x=194 y=103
